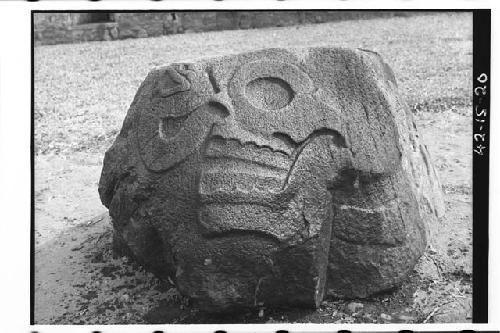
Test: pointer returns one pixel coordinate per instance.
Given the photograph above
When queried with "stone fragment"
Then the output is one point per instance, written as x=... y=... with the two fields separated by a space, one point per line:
x=354 y=307
x=406 y=318
x=385 y=317
x=271 y=178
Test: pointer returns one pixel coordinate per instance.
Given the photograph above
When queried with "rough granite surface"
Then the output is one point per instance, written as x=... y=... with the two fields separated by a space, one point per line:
x=273 y=177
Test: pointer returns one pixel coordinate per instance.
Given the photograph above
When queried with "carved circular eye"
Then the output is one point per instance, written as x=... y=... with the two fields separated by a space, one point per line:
x=269 y=93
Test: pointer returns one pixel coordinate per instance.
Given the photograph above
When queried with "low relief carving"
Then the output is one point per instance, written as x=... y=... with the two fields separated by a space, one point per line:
x=273 y=177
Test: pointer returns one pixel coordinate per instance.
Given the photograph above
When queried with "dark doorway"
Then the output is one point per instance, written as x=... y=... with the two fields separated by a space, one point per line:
x=96 y=18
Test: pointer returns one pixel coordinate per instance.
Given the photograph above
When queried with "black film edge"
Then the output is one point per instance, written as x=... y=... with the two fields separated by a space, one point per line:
x=480 y=163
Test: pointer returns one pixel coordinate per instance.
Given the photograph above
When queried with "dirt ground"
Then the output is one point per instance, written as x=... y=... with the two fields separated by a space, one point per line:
x=82 y=92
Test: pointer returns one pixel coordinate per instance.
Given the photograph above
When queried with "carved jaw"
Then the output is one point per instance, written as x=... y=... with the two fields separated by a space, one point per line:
x=246 y=187
x=240 y=188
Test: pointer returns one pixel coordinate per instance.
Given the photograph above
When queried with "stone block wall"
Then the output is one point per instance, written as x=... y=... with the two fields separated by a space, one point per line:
x=58 y=28
x=146 y=24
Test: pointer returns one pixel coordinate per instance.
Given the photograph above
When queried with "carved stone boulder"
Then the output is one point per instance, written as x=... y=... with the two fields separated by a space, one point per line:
x=271 y=178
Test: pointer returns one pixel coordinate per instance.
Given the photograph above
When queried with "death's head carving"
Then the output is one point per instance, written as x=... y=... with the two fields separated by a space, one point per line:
x=271 y=177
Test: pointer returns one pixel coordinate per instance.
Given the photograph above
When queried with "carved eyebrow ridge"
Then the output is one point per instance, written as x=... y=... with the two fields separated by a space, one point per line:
x=181 y=82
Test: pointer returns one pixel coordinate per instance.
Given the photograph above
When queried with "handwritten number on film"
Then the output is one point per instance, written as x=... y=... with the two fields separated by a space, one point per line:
x=480 y=113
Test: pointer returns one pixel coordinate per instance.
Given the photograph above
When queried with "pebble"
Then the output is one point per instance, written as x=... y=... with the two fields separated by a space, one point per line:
x=354 y=306
x=385 y=316
x=406 y=318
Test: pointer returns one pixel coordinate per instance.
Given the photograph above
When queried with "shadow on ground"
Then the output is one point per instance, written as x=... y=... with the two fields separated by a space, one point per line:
x=80 y=281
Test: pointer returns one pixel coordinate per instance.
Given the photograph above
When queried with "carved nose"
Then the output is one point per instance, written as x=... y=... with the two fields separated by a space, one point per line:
x=231 y=126
x=220 y=105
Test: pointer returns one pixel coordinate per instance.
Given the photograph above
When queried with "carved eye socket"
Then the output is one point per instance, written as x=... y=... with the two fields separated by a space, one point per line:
x=269 y=93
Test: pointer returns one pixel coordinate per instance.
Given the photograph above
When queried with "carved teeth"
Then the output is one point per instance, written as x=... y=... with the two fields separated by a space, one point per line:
x=218 y=147
x=234 y=184
x=252 y=144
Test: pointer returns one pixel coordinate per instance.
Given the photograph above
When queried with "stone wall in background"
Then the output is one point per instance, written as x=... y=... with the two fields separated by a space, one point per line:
x=60 y=28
